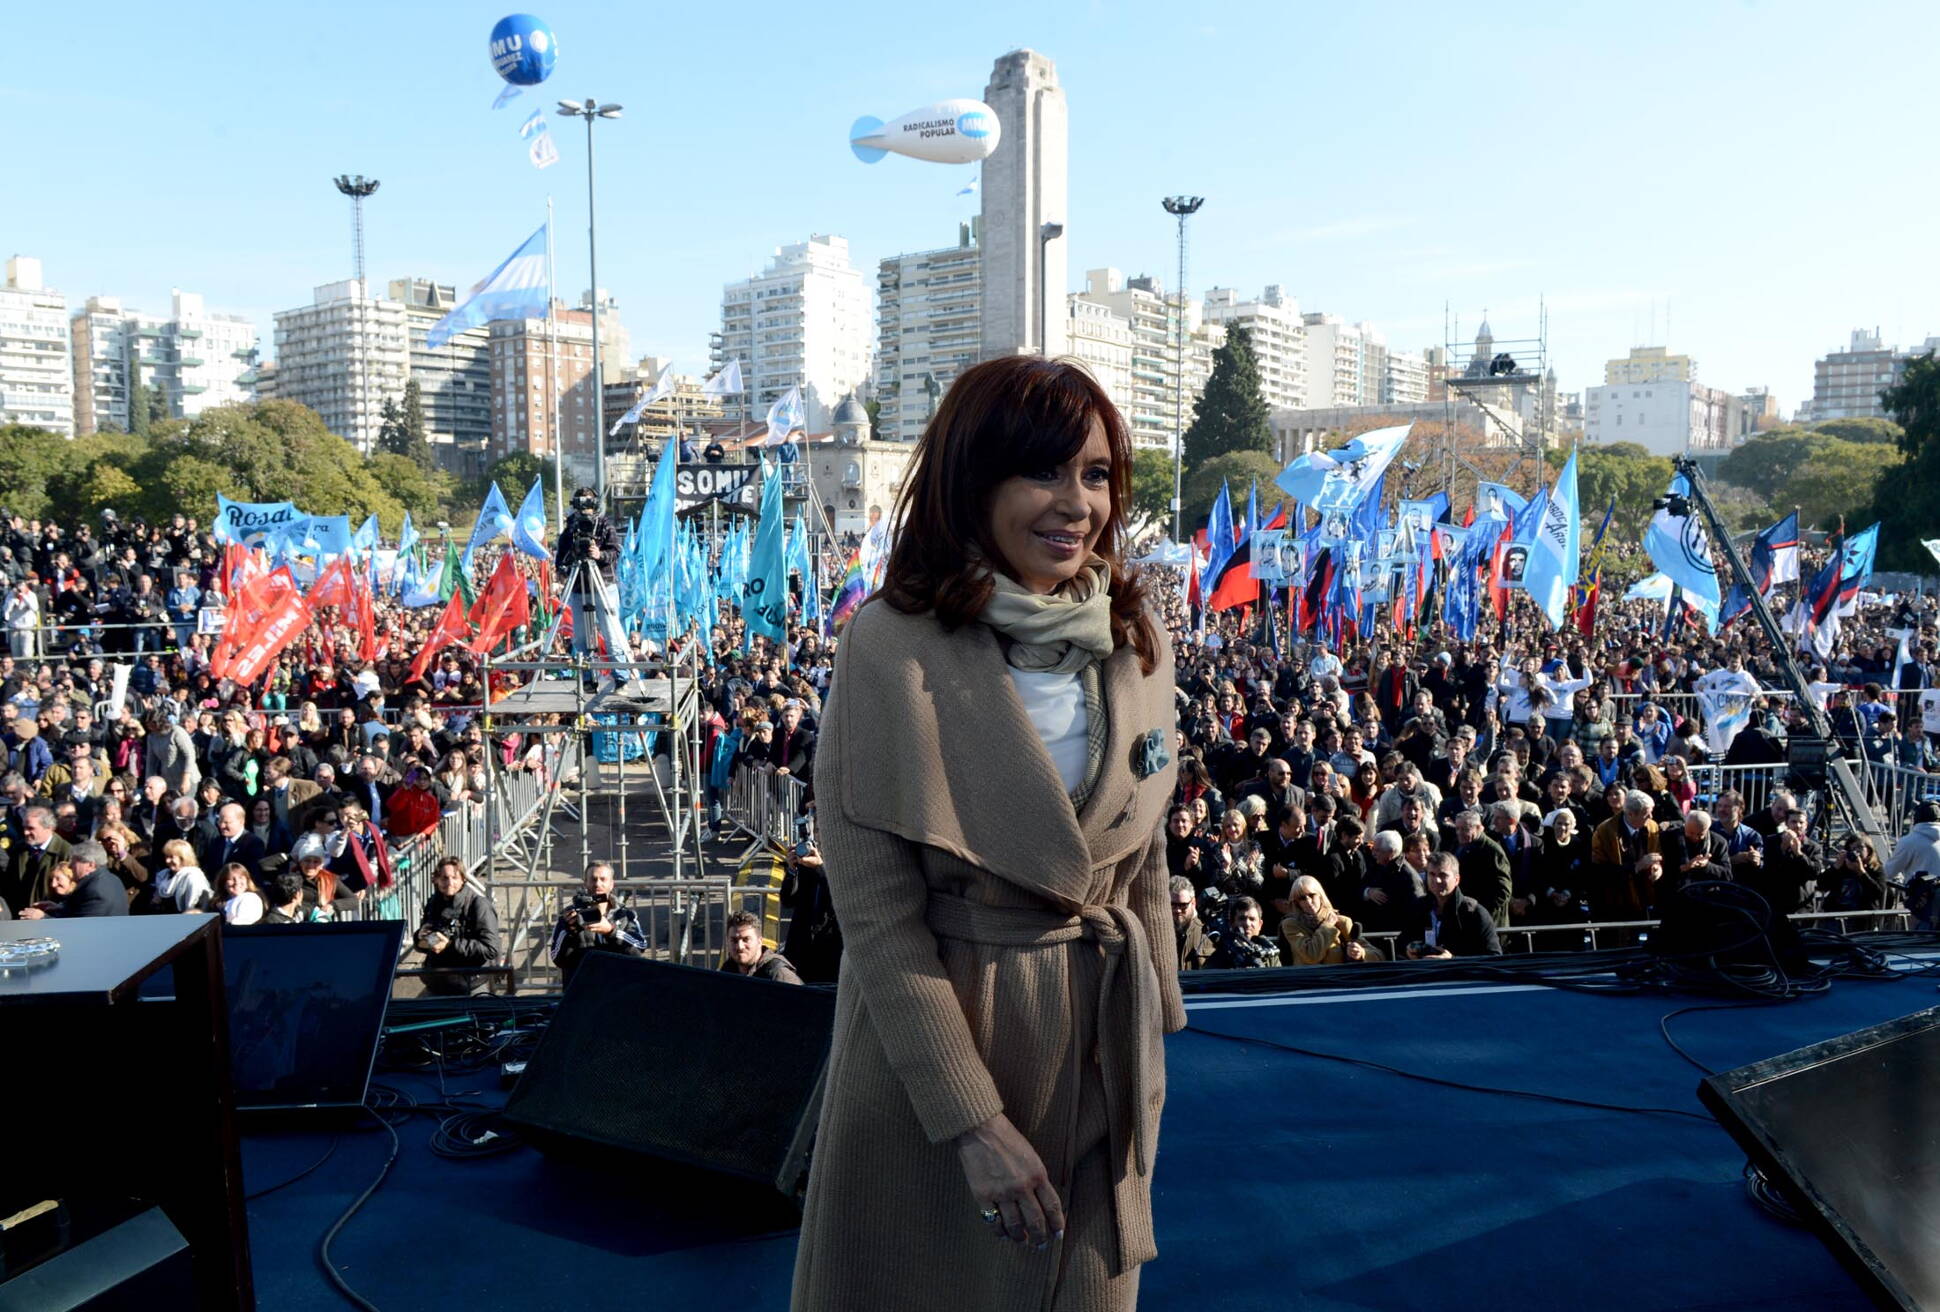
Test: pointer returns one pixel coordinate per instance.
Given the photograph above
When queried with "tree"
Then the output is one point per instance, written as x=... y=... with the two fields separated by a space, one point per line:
x=1152 y=477
x=1623 y=472
x=423 y=492
x=401 y=431
x=1868 y=429
x=1908 y=505
x=1839 y=480
x=1232 y=414
x=1766 y=463
x=1238 y=470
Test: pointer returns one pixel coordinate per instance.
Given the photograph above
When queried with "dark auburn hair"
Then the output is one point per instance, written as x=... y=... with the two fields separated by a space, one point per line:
x=1007 y=417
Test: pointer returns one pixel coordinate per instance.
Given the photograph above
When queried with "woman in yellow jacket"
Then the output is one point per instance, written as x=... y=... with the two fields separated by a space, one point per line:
x=1316 y=934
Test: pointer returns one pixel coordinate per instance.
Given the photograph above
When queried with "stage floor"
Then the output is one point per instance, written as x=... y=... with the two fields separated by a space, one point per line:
x=1282 y=1181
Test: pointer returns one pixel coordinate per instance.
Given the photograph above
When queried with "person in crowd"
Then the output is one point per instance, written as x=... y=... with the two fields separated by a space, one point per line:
x=594 y=920
x=233 y=842
x=458 y=933
x=177 y=883
x=1694 y=852
x=1626 y=862
x=81 y=887
x=814 y=941
x=1390 y=887
x=1316 y=934
x=746 y=954
x=1485 y=866
x=1857 y=880
x=239 y=900
x=284 y=894
x=1445 y=922
x=1241 y=945
x=1196 y=944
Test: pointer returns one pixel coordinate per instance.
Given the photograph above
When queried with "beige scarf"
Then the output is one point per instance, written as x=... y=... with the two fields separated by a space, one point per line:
x=1061 y=632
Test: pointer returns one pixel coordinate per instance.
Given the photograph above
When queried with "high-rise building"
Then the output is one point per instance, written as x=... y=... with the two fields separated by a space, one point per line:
x=1669 y=418
x=189 y=362
x=1150 y=315
x=1757 y=411
x=1346 y=362
x=929 y=308
x=1406 y=379
x=1279 y=340
x=454 y=380
x=1650 y=364
x=804 y=321
x=36 y=376
x=1026 y=199
x=344 y=355
x=1102 y=341
x=616 y=344
x=534 y=363
x=1846 y=384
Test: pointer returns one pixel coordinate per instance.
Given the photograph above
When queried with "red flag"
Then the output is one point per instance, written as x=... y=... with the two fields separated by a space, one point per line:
x=1498 y=594
x=502 y=606
x=453 y=626
x=287 y=617
x=333 y=586
x=363 y=617
x=244 y=614
x=1468 y=520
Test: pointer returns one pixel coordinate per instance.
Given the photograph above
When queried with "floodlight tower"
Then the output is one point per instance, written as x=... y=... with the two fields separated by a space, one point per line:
x=357 y=188
x=1182 y=208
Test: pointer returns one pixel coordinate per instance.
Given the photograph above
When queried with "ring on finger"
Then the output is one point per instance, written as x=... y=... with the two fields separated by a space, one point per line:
x=991 y=1215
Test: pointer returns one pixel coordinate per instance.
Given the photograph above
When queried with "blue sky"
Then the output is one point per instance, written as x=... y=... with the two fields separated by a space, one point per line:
x=1754 y=174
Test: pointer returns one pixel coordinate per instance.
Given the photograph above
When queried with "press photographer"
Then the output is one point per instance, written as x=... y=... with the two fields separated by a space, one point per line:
x=594 y=922
x=459 y=933
x=588 y=536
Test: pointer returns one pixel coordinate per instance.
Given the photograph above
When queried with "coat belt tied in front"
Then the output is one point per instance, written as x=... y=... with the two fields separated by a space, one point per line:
x=1128 y=1023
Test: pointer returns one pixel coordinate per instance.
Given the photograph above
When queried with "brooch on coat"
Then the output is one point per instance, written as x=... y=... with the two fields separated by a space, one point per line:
x=1149 y=755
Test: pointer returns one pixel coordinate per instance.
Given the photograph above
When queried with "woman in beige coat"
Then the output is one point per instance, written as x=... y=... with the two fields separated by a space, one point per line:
x=992 y=778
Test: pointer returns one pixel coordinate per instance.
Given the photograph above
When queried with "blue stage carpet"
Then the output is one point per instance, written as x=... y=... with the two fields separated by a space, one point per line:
x=1283 y=1181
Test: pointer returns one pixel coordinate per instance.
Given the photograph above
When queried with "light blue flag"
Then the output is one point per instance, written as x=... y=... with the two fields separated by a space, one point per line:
x=1219 y=541
x=517 y=289
x=407 y=537
x=529 y=526
x=1679 y=546
x=766 y=606
x=657 y=523
x=423 y=590
x=1556 y=548
x=494 y=520
x=365 y=538
x=1494 y=501
x=326 y=537
x=253 y=522
x=798 y=549
x=785 y=416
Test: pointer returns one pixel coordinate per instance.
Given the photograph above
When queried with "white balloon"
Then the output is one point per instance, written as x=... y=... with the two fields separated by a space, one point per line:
x=948 y=132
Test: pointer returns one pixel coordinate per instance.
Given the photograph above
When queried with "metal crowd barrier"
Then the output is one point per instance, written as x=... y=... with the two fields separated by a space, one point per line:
x=766 y=806
x=684 y=920
x=1624 y=933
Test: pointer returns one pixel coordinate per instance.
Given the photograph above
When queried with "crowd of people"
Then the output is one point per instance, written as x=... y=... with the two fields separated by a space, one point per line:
x=1404 y=794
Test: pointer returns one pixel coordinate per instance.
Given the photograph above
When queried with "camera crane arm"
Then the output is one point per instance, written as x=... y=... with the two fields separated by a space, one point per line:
x=1839 y=769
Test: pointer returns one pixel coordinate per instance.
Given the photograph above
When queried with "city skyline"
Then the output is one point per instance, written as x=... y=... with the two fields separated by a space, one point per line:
x=1440 y=182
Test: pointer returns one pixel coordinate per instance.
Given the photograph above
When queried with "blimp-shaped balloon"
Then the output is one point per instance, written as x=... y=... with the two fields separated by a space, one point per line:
x=948 y=132
x=523 y=49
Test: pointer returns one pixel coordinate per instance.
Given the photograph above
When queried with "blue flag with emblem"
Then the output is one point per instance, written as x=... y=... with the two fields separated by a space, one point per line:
x=494 y=520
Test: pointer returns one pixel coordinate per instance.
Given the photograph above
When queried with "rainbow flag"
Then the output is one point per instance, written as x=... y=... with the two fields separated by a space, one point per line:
x=850 y=594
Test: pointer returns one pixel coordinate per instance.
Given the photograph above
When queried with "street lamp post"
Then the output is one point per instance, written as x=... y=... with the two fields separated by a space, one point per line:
x=1182 y=207
x=589 y=111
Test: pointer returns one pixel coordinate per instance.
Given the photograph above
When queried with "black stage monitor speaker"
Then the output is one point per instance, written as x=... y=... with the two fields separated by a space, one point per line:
x=306 y=1010
x=699 y=1067
x=1845 y=1129
x=141 y=1264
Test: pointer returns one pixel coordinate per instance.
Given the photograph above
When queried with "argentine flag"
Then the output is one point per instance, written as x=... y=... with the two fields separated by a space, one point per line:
x=517 y=289
x=529 y=527
x=785 y=415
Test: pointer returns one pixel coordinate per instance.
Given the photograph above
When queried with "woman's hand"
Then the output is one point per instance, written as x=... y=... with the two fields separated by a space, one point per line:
x=1004 y=1172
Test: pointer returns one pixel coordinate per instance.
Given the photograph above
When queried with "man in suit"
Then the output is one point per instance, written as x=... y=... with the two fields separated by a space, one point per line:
x=233 y=842
x=288 y=795
x=1447 y=923
x=34 y=858
x=793 y=748
x=373 y=783
x=96 y=891
x=1695 y=853
x=1626 y=861
x=1484 y=867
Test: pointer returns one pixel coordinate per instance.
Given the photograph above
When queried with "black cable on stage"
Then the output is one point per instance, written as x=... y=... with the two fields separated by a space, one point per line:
x=323 y=1246
x=1454 y=1084
x=264 y=1193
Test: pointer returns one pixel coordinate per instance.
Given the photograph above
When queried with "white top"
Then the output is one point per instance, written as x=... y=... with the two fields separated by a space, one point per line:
x=1056 y=705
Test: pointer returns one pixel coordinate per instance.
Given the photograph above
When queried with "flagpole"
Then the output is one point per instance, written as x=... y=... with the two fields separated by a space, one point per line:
x=552 y=375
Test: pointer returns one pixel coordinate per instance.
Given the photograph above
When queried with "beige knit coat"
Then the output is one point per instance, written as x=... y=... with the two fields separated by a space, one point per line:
x=1000 y=953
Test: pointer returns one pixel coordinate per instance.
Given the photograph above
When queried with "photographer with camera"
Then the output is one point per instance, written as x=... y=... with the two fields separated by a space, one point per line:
x=594 y=922
x=587 y=541
x=458 y=934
